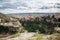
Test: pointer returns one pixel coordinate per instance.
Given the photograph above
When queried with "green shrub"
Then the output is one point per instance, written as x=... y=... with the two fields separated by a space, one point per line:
x=22 y=29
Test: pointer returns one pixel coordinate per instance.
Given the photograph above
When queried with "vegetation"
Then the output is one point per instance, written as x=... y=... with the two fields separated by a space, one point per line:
x=54 y=37
x=6 y=29
x=47 y=24
x=37 y=36
x=15 y=35
x=43 y=25
x=22 y=29
x=4 y=18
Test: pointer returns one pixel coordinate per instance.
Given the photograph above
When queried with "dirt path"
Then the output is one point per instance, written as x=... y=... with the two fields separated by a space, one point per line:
x=23 y=36
x=46 y=37
x=26 y=36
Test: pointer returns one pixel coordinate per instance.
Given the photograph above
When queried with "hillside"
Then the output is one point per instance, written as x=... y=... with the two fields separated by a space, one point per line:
x=4 y=17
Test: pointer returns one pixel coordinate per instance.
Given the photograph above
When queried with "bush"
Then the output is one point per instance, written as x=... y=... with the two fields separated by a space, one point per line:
x=22 y=29
x=6 y=29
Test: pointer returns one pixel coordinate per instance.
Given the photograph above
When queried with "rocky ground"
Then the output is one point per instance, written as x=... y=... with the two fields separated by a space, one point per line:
x=30 y=36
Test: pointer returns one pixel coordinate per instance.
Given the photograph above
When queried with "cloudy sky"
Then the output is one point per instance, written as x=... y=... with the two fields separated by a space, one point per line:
x=26 y=6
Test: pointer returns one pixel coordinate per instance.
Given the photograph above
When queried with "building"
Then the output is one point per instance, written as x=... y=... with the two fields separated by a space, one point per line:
x=57 y=15
x=0 y=20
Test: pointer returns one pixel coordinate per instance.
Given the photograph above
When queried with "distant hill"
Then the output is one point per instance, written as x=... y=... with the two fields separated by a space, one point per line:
x=27 y=14
x=4 y=17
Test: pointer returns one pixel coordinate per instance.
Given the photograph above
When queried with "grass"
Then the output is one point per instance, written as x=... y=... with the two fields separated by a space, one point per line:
x=22 y=29
x=15 y=35
x=55 y=36
x=37 y=36
x=3 y=39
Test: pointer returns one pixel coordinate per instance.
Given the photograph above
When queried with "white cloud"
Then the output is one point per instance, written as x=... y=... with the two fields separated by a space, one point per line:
x=22 y=6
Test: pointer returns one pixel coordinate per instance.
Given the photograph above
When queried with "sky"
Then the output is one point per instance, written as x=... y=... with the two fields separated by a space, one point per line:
x=29 y=6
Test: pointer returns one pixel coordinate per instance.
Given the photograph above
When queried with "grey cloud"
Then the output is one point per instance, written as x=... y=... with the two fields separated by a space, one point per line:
x=57 y=5
x=45 y=7
x=13 y=6
x=21 y=4
x=7 y=5
x=26 y=4
x=4 y=1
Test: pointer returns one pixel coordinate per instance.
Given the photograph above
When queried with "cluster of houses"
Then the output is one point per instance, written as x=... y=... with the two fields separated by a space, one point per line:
x=32 y=16
x=15 y=24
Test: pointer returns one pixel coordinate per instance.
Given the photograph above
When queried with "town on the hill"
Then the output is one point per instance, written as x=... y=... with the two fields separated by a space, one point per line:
x=44 y=26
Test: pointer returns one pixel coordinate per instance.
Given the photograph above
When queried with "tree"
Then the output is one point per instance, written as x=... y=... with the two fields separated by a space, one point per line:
x=43 y=25
x=47 y=24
